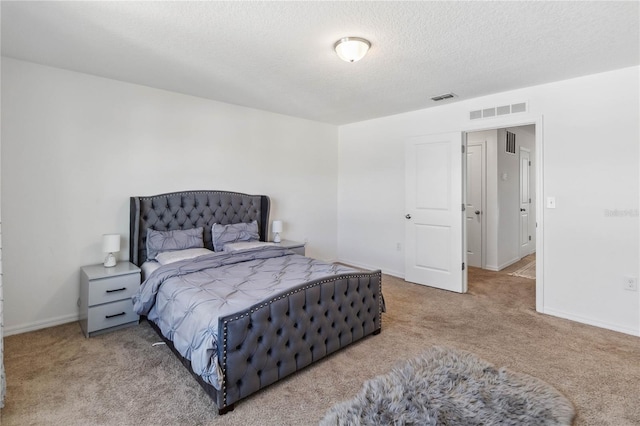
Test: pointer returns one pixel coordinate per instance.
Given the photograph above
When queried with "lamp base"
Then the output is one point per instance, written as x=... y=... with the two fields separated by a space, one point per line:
x=276 y=238
x=110 y=260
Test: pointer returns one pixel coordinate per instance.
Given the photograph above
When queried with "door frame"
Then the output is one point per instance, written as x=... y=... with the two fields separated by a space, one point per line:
x=516 y=121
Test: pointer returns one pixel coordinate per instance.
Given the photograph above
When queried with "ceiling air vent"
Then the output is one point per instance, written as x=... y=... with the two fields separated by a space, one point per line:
x=474 y=115
x=504 y=110
x=443 y=97
x=521 y=107
x=488 y=112
x=498 y=111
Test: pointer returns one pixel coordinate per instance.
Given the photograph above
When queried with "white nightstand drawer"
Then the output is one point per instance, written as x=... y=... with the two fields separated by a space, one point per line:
x=111 y=315
x=107 y=290
x=105 y=297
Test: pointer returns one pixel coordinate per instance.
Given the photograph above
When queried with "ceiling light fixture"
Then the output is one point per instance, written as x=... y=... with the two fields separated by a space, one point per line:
x=351 y=49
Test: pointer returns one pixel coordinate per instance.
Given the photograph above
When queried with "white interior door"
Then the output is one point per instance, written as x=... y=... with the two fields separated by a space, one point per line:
x=474 y=209
x=434 y=217
x=525 y=201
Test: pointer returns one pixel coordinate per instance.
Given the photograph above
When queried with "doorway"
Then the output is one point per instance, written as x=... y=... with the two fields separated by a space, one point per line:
x=437 y=163
x=501 y=202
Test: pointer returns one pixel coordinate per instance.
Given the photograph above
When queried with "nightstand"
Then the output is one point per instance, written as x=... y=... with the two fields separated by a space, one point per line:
x=105 y=297
x=295 y=246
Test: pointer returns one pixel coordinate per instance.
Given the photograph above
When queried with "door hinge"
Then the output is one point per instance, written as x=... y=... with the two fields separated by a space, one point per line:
x=463 y=149
x=463 y=266
x=463 y=207
x=529 y=162
x=529 y=237
x=529 y=200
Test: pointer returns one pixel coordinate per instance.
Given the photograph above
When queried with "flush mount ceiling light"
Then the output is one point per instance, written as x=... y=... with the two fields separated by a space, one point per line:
x=351 y=49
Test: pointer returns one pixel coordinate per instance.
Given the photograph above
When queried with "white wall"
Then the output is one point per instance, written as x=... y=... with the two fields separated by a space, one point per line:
x=75 y=147
x=590 y=164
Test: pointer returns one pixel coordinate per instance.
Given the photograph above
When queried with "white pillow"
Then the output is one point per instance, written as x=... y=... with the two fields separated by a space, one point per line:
x=240 y=245
x=167 y=257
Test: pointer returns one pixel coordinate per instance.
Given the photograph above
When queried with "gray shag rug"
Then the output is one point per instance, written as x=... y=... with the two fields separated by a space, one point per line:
x=451 y=387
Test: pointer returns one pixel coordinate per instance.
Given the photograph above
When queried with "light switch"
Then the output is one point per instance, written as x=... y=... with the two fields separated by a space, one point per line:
x=551 y=202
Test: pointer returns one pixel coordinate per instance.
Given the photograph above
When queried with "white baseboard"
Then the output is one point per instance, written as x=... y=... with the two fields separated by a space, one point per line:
x=38 y=325
x=508 y=263
x=591 y=321
x=371 y=267
x=499 y=268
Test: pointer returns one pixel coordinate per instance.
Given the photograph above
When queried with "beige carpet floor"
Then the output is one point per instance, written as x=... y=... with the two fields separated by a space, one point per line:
x=57 y=377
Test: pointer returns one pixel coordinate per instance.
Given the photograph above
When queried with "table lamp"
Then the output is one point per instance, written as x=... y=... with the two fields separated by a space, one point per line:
x=277 y=229
x=110 y=245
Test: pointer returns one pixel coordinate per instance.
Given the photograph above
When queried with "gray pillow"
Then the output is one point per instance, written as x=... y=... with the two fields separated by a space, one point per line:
x=223 y=234
x=160 y=241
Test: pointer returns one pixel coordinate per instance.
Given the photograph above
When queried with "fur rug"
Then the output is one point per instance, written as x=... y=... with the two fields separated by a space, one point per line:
x=451 y=387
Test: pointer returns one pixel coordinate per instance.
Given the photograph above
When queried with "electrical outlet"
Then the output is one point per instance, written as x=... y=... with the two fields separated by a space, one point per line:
x=631 y=283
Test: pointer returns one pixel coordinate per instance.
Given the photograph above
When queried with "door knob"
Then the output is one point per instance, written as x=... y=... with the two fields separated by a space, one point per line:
x=408 y=216
x=523 y=210
x=477 y=212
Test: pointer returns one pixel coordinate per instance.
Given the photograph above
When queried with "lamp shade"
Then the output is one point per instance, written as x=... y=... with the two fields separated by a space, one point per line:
x=277 y=226
x=351 y=49
x=111 y=243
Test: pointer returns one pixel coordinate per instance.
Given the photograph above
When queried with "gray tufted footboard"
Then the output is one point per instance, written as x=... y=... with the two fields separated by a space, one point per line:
x=271 y=340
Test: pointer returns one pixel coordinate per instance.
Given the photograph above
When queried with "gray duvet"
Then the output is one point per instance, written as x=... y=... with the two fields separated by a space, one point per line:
x=186 y=298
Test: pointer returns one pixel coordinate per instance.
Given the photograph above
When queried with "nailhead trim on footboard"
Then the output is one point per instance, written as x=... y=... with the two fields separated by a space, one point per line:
x=281 y=336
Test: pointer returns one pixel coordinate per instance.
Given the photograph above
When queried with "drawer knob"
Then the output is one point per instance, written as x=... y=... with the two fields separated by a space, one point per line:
x=115 y=315
x=117 y=289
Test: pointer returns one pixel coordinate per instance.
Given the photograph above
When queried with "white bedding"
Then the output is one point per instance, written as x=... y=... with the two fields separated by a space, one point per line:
x=241 y=245
x=148 y=267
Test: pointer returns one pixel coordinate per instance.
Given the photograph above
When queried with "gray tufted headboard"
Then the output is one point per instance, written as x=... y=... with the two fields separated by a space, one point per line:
x=191 y=209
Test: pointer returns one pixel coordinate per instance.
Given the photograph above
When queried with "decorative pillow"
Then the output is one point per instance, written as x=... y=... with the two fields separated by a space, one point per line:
x=176 y=256
x=159 y=241
x=223 y=234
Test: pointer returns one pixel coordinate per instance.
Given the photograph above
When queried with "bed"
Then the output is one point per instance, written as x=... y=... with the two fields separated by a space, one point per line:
x=305 y=310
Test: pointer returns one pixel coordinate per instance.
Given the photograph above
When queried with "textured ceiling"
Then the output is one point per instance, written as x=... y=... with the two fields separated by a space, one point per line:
x=278 y=56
